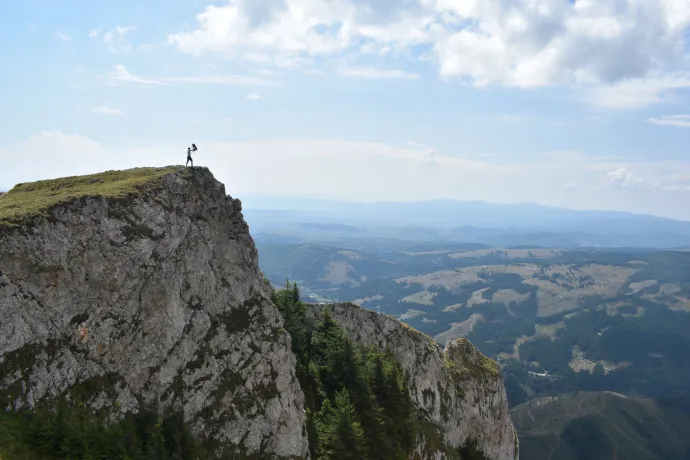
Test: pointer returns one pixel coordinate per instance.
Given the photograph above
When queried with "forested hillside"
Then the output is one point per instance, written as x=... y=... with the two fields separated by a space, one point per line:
x=358 y=403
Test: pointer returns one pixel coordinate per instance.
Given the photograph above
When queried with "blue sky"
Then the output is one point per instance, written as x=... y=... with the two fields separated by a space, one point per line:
x=581 y=104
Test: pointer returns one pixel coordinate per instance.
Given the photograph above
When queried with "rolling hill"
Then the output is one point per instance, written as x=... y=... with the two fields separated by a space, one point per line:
x=594 y=320
x=603 y=425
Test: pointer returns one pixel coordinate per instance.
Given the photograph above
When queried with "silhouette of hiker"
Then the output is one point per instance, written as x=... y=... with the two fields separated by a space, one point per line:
x=189 y=154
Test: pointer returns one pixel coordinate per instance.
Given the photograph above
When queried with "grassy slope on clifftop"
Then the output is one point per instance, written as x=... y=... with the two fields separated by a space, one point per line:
x=479 y=366
x=35 y=198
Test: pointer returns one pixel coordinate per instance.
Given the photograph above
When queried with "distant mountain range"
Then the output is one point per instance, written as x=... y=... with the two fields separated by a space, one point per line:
x=487 y=223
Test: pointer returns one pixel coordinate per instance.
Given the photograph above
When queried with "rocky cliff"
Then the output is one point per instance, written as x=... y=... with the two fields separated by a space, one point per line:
x=144 y=285
x=457 y=389
x=150 y=291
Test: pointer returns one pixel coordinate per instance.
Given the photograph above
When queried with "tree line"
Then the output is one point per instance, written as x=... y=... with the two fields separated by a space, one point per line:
x=358 y=403
x=68 y=429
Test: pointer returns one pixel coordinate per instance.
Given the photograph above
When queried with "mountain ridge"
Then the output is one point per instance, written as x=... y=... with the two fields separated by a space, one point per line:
x=296 y=203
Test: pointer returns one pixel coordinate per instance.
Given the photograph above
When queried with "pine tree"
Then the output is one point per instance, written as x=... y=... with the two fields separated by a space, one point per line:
x=376 y=419
x=340 y=433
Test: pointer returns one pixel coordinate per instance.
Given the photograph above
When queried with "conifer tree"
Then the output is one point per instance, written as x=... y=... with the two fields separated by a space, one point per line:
x=340 y=433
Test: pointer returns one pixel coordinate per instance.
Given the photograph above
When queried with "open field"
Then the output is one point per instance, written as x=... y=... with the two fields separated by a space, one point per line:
x=560 y=287
x=506 y=296
x=409 y=314
x=539 y=253
x=672 y=295
x=449 y=279
x=640 y=285
x=567 y=287
x=422 y=298
x=359 y=302
x=477 y=298
x=624 y=308
x=458 y=330
x=452 y=307
x=338 y=273
x=541 y=331
x=452 y=279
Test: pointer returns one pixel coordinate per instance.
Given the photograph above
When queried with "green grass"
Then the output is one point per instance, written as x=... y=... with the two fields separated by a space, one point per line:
x=27 y=200
x=479 y=366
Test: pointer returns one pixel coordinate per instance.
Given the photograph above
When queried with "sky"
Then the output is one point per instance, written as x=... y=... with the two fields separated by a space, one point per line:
x=583 y=104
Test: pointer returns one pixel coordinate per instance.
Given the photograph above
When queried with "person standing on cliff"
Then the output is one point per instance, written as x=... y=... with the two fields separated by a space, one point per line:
x=189 y=154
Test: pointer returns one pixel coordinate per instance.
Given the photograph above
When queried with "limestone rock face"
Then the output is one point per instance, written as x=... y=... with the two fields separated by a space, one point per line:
x=457 y=389
x=152 y=297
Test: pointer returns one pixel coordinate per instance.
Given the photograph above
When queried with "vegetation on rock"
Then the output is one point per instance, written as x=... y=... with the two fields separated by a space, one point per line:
x=357 y=400
x=62 y=429
x=31 y=199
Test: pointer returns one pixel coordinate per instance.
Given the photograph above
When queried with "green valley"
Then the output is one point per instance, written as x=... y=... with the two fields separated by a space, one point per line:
x=592 y=343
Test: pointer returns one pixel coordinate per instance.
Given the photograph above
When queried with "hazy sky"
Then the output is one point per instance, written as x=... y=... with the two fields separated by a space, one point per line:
x=582 y=103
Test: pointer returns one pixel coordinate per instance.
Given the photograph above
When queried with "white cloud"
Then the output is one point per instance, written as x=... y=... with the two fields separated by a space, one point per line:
x=107 y=110
x=317 y=167
x=546 y=42
x=122 y=75
x=62 y=36
x=511 y=118
x=293 y=32
x=637 y=92
x=680 y=121
x=372 y=73
x=219 y=79
x=619 y=45
x=118 y=33
x=623 y=178
x=253 y=97
x=116 y=38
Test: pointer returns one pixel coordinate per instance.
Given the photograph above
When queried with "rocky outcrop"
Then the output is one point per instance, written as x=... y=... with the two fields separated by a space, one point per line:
x=457 y=390
x=151 y=296
x=125 y=289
